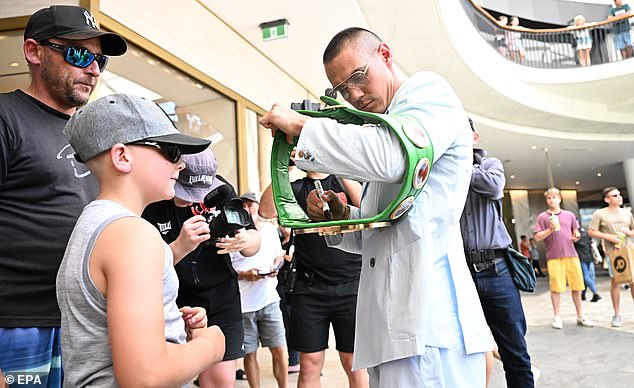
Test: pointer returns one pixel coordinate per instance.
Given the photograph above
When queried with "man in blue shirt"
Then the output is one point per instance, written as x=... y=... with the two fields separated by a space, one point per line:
x=485 y=240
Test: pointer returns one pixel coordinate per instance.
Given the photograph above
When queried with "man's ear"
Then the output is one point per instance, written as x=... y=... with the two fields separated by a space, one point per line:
x=386 y=54
x=32 y=52
x=121 y=158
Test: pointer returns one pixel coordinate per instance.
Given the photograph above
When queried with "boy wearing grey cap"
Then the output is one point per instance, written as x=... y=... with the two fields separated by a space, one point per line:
x=116 y=286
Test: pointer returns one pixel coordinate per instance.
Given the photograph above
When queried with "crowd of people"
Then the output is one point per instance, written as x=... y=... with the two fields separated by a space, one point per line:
x=133 y=262
x=509 y=41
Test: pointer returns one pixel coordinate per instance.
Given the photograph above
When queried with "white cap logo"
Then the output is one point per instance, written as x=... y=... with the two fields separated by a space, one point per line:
x=90 y=20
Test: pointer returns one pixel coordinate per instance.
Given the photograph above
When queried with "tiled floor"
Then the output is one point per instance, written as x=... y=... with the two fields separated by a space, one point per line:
x=572 y=357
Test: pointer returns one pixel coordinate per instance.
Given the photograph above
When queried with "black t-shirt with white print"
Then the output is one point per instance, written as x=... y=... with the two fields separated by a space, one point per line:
x=42 y=192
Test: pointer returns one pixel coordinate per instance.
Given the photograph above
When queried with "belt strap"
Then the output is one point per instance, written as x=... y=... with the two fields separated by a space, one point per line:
x=483 y=256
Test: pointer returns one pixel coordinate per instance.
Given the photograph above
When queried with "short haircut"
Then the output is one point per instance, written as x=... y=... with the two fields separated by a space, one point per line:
x=606 y=191
x=523 y=236
x=552 y=190
x=339 y=41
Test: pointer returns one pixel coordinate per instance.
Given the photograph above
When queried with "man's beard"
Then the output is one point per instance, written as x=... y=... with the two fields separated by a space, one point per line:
x=62 y=89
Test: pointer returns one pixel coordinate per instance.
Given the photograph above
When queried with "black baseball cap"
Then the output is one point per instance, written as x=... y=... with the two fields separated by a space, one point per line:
x=74 y=23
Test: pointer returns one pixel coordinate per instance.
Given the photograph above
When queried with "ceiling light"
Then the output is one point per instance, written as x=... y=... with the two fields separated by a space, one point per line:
x=577 y=182
x=199 y=86
x=512 y=176
x=599 y=174
x=533 y=147
x=14 y=64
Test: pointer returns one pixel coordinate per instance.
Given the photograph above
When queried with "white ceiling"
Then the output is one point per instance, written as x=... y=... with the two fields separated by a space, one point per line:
x=572 y=113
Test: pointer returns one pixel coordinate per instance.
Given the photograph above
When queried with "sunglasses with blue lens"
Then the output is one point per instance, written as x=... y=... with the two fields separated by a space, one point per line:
x=78 y=56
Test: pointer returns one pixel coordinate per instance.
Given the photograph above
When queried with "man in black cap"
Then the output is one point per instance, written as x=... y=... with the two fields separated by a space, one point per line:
x=42 y=188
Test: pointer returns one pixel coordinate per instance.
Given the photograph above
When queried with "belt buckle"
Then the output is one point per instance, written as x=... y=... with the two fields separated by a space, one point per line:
x=479 y=267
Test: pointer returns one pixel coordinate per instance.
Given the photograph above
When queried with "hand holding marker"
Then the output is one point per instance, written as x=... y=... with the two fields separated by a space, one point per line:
x=320 y=193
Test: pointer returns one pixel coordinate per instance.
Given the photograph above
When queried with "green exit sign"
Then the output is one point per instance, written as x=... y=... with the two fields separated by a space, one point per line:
x=274 y=30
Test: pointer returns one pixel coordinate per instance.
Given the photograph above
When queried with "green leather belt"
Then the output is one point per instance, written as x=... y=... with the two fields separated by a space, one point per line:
x=414 y=140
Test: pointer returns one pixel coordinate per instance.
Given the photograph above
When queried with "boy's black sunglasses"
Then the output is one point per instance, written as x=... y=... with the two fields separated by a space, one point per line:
x=171 y=152
x=78 y=56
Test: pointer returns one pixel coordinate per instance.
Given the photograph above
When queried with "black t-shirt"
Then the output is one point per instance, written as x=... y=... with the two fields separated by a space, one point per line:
x=313 y=255
x=583 y=247
x=204 y=262
x=42 y=192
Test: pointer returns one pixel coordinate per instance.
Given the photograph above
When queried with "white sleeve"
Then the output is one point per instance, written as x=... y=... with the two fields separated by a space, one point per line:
x=360 y=152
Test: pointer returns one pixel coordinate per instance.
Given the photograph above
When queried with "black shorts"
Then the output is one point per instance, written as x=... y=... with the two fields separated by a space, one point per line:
x=222 y=304
x=234 y=340
x=311 y=316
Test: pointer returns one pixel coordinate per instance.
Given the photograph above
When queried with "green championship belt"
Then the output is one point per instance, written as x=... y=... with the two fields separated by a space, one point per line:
x=413 y=138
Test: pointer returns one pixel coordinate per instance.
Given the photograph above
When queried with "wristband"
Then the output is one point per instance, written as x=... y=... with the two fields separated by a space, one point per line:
x=346 y=212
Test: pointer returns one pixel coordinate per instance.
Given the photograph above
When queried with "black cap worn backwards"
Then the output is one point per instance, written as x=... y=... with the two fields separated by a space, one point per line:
x=74 y=23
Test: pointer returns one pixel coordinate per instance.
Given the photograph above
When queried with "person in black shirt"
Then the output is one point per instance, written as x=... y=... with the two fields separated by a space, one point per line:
x=584 y=250
x=326 y=288
x=42 y=188
x=207 y=278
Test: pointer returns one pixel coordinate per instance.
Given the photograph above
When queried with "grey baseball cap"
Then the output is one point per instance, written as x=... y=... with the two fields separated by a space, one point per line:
x=250 y=196
x=122 y=118
x=198 y=177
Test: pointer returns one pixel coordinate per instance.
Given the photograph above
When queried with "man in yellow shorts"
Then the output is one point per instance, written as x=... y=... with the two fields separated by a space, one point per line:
x=559 y=229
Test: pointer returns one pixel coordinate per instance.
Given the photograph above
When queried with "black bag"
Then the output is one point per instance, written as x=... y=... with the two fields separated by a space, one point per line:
x=521 y=270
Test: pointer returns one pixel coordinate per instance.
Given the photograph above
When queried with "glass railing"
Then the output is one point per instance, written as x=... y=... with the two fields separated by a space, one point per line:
x=552 y=48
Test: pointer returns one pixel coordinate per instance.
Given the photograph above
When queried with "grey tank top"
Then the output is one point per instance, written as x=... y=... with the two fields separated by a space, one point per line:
x=86 y=355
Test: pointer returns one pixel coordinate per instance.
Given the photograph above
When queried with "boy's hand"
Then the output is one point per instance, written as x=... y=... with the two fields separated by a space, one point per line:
x=195 y=318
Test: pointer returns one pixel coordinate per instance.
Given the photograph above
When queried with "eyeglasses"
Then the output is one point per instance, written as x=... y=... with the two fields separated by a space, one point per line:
x=78 y=56
x=356 y=80
x=615 y=195
x=171 y=152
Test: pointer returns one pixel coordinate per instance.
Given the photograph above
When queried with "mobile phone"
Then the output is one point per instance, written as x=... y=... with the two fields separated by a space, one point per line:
x=277 y=268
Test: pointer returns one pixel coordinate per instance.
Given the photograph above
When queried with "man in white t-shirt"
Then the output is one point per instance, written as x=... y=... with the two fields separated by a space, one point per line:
x=613 y=224
x=261 y=314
